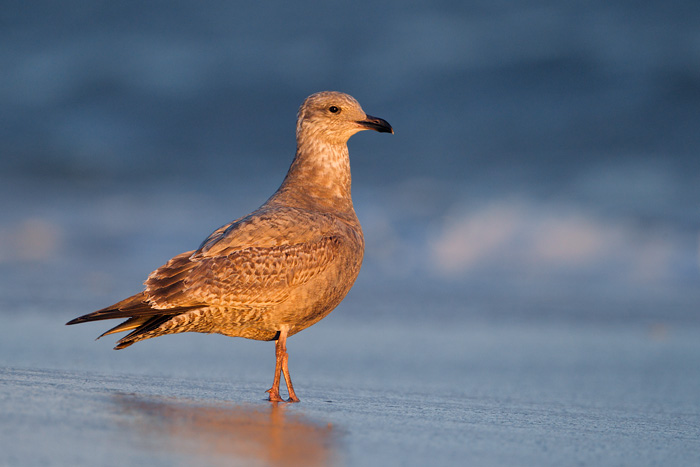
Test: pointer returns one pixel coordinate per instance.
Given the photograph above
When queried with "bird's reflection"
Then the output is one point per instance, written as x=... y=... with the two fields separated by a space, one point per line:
x=223 y=434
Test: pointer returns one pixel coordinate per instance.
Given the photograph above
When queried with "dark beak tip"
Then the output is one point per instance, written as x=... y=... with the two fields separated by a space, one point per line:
x=377 y=124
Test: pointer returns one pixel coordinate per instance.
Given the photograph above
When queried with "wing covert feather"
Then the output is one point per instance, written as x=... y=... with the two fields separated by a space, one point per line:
x=253 y=277
x=266 y=227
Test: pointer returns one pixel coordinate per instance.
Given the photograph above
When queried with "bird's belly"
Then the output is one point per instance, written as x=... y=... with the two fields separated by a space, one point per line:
x=305 y=306
x=314 y=300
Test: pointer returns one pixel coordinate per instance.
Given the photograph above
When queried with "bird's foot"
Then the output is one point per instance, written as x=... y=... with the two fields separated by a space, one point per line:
x=293 y=398
x=274 y=395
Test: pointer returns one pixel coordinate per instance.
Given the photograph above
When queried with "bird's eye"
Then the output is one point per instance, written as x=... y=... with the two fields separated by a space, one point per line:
x=333 y=109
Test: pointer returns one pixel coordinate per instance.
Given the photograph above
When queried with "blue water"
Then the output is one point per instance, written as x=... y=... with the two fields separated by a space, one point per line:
x=543 y=182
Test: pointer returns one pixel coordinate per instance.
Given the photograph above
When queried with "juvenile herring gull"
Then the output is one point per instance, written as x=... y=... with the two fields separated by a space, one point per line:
x=276 y=271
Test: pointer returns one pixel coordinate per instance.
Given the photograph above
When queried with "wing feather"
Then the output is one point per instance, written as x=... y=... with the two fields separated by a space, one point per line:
x=266 y=227
x=253 y=277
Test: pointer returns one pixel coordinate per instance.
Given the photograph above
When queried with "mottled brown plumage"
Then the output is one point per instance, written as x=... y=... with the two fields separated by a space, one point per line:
x=276 y=271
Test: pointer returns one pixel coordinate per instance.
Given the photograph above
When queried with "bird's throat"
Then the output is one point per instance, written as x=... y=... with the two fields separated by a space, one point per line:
x=319 y=172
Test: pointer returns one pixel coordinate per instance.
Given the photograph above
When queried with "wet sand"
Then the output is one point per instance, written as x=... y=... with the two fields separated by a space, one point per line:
x=387 y=394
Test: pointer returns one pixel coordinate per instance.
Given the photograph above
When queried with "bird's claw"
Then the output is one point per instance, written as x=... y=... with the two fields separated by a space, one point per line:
x=275 y=396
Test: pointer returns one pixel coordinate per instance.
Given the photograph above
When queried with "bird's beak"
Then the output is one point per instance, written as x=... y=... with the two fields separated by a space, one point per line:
x=376 y=124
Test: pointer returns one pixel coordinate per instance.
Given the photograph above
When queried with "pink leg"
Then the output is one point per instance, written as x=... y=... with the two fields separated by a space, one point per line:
x=275 y=389
x=281 y=358
x=287 y=378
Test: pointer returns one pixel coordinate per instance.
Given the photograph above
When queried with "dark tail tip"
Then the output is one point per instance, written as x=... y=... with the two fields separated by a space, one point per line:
x=122 y=345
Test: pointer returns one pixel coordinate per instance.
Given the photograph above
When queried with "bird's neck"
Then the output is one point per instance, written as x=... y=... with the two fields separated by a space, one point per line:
x=319 y=176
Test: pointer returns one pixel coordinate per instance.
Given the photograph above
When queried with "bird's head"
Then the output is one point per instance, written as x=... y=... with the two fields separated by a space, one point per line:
x=335 y=117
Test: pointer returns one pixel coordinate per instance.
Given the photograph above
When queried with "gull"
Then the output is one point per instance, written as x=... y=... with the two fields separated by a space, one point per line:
x=276 y=271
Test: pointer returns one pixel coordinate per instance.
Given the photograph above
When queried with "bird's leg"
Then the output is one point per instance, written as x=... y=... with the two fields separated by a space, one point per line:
x=274 y=391
x=287 y=378
x=281 y=366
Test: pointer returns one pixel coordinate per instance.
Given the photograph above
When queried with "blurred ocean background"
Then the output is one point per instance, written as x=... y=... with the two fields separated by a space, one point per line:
x=544 y=179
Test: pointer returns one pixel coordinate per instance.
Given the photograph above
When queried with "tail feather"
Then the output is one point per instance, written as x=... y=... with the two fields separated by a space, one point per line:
x=129 y=324
x=132 y=307
x=142 y=318
x=140 y=332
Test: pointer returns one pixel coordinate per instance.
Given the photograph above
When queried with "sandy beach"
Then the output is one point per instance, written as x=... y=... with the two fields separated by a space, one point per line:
x=381 y=395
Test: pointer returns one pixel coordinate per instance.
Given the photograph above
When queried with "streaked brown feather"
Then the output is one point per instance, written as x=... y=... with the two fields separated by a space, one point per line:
x=129 y=324
x=143 y=329
x=136 y=305
x=251 y=277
